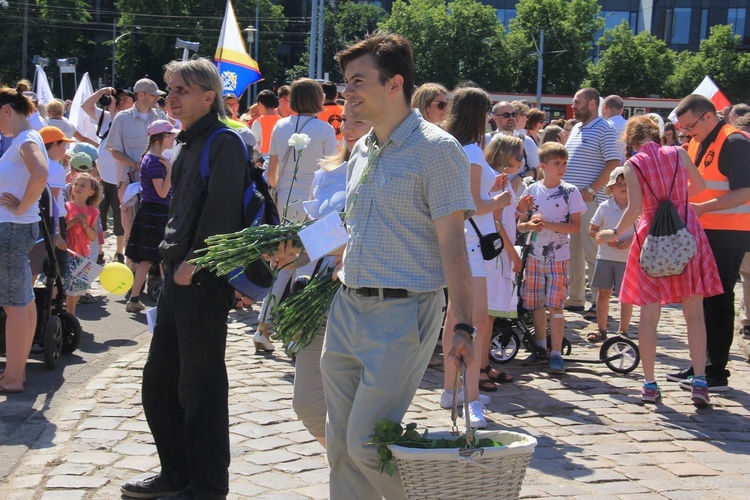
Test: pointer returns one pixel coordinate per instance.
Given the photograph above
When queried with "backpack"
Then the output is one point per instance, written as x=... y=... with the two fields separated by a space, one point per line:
x=255 y=280
x=669 y=246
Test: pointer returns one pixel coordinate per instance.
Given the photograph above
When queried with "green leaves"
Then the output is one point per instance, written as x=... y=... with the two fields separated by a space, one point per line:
x=390 y=432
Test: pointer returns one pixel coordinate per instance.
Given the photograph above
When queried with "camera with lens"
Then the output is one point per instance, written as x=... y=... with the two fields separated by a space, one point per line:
x=106 y=100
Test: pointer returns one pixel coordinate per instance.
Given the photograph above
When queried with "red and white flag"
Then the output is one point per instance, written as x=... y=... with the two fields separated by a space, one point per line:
x=708 y=89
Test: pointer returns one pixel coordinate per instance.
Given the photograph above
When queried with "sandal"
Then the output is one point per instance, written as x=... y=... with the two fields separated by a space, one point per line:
x=498 y=377
x=487 y=385
x=239 y=304
x=87 y=299
x=597 y=336
x=590 y=315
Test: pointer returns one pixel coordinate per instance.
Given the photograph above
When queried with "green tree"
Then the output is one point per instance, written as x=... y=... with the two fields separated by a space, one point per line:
x=569 y=29
x=56 y=29
x=718 y=58
x=197 y=21
x=346 y=22
x=460 y=40
x=631 y=65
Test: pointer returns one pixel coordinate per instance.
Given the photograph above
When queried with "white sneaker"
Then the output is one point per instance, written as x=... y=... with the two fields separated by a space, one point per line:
x=446 y=399
x=476 y=415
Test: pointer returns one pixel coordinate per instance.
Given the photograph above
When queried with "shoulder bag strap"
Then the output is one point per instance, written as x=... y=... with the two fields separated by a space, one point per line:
x=475 y=227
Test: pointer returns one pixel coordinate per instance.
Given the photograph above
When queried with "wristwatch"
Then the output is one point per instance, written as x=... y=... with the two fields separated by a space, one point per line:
x=614 y=231
x=589 y=189
x=466 y=328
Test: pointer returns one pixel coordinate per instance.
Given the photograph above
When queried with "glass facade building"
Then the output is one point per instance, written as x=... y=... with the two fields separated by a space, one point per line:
x=680 y=23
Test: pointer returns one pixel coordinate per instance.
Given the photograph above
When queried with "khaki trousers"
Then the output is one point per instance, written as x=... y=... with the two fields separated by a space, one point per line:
x=582 y=254
x=374 y=356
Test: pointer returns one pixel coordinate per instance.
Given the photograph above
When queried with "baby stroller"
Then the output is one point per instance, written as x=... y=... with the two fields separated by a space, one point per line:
x=621 y=355
x=57 y=331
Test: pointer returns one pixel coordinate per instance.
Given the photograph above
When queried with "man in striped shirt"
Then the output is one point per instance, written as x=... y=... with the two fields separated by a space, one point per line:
x=593 y=154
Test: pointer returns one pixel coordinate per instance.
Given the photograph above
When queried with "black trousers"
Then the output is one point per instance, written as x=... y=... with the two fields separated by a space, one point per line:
x=185 y=386
x=111 y=200
x=719 y=310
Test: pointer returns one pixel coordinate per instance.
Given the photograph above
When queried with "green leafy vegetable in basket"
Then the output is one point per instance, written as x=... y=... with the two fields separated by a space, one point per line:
x=298 y=319
x=390 y=432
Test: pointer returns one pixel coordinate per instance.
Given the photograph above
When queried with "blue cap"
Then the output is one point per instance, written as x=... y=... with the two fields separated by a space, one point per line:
x=82 y=147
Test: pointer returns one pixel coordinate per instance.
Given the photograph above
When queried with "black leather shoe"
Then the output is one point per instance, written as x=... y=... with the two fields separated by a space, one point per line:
x=152 y=487
x=681 y=375
x=575 y=309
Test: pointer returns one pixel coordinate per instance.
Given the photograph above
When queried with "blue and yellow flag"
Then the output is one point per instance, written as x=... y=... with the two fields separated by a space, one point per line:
x=236 y=68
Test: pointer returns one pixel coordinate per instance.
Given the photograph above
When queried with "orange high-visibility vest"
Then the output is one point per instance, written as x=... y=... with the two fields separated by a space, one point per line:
x=717 y=185
x=267 y=122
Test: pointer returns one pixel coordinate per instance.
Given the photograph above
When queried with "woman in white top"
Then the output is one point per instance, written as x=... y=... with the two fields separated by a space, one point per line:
x=467 y=114
x=23 y=175
x=292 y=188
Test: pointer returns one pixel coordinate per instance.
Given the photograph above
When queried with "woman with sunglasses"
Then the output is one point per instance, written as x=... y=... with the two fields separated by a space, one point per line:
x=432 y=101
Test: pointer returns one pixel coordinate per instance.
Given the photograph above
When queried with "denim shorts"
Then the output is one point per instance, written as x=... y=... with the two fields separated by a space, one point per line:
x=16 y=241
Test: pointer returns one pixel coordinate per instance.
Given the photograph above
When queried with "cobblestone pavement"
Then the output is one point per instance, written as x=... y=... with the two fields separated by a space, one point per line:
x=595 y=437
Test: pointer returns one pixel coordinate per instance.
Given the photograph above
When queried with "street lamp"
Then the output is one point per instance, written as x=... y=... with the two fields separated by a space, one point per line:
x=251 y=31
x=114 y=46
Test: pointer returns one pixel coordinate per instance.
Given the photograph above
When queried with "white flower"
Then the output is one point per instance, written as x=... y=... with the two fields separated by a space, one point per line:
x=299 y=141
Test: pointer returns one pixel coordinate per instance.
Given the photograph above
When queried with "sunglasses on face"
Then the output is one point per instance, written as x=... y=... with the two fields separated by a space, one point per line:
x=518 y=157
x=507 y=115
x=441 y=105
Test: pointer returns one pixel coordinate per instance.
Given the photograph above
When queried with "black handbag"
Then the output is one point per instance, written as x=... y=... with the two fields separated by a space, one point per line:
x=491 y=244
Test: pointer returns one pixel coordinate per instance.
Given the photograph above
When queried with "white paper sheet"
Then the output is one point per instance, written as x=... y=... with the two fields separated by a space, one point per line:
x=324 y=236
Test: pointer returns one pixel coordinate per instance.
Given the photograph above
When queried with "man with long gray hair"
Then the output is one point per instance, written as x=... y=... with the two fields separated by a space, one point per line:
x=185 y=387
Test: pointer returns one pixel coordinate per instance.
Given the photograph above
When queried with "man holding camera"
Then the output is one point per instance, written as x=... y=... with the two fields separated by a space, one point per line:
x=128 y=139
x=111 y=101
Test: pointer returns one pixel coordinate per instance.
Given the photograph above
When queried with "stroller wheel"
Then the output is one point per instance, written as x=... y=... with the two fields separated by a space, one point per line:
x=621 y=355
x=154 y=288
x=52 y=341
x=504 y=344
x=71 y=332
x=566 y=345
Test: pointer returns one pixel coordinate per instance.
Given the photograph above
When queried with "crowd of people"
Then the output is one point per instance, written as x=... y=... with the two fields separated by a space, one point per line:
x=432 y=183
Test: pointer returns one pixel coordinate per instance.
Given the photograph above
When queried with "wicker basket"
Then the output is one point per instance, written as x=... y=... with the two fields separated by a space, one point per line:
x=495 y=473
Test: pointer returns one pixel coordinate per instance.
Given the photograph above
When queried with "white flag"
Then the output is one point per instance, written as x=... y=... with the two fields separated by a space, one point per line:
x=709 y=89
x=43 y=92
x=83 y=122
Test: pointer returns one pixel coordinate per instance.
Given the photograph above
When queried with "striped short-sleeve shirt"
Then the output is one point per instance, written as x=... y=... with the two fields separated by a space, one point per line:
x=419 y=174
x=590 y=147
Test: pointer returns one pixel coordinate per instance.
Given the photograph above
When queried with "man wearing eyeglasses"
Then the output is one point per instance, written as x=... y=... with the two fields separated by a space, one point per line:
x=505 y=117
x=592 y=155
x=721 y=152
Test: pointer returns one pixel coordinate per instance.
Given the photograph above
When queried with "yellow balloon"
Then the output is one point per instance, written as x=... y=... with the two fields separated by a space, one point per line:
x=116 y=278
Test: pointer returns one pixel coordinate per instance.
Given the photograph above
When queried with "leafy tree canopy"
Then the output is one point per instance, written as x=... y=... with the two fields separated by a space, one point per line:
x=631 y=65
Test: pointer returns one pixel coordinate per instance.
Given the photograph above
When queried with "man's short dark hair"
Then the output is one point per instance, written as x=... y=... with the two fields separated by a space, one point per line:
x=284 y=91
x=590 y=93
x=329 y=90
x=695 y=103
x=614 y=102
x=393 y=56
x=268 y=99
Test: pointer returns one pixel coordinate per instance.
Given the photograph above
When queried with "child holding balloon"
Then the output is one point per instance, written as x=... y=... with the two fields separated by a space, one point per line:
x=80 y=221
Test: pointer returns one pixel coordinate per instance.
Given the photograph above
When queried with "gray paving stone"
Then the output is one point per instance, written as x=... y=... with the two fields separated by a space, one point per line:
x=71 y=470
x=690 y=469
x=77 y=482
x=103 y=423
x=138 y=463
x=301 y=465
x=271 y=457
x=135 y=449
x=63 y=495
